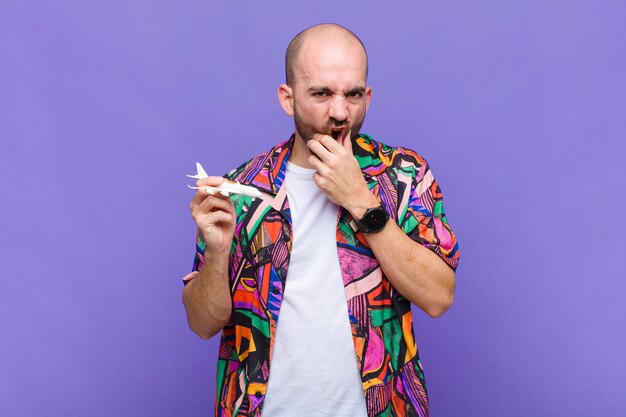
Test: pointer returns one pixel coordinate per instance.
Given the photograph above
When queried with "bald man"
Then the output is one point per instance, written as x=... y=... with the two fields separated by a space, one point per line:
x=347 y=234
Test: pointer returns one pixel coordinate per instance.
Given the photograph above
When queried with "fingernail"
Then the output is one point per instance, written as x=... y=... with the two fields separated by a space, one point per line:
x=190 y=276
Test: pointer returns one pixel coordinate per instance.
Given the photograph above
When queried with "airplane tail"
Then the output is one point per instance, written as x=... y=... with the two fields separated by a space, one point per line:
x=201 y=172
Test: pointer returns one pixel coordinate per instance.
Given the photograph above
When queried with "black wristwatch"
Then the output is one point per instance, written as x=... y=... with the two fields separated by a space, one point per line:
x=373 y=220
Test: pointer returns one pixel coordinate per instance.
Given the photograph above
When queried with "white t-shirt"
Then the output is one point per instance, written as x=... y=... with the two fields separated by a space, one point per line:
x=314 y=370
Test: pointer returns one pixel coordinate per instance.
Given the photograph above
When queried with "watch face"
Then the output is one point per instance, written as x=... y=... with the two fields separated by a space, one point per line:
x=375 y=219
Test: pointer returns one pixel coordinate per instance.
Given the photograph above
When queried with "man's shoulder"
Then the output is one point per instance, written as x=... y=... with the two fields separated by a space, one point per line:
x=375 y=156
x=239 y=173
x=265 y=161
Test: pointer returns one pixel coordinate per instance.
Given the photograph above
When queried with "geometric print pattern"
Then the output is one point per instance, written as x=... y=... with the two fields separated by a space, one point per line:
x=380 y=318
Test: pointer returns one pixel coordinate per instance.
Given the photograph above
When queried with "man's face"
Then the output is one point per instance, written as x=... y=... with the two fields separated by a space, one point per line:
x=330 y=95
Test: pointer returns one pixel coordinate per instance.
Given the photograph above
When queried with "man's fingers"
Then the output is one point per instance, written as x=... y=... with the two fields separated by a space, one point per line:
x=318 y=165
x=329 y=143
x=216 y=202
x=347 y=142
x=195 y=201
x=201 y=195
x=220 y=216
x=318 y=136
x=212 y=181
x=206 y=219
x=204 y=203
x=319 y=149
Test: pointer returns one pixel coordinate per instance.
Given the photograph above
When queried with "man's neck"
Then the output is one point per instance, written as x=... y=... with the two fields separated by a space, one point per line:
x=300 y=153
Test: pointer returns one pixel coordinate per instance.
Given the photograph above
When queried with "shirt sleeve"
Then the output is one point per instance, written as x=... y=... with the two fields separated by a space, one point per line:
x=198 y=259
x=424 y=219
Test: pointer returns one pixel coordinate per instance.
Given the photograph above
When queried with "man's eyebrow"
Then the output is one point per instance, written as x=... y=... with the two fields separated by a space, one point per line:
x=325 y=89
x=321 y=88
x=357 y=90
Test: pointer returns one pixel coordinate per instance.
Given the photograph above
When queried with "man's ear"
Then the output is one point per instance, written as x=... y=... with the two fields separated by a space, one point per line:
x=285 y=97
x=368 y=97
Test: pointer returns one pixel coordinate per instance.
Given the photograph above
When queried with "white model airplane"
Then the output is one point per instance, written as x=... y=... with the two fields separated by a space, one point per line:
x=226 y=188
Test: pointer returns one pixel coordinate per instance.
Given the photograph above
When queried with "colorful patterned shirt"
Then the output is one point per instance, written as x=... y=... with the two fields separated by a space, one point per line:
x=380 y=318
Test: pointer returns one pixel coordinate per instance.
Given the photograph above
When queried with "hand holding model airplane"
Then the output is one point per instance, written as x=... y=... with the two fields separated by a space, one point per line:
x=226 y=188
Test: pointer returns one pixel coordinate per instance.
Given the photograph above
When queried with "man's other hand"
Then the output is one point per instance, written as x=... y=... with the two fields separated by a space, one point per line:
x=339 y=175
x=214 y=215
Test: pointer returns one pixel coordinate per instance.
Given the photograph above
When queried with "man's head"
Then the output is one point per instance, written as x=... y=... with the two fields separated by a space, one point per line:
x=293 y=50
x=326 y=75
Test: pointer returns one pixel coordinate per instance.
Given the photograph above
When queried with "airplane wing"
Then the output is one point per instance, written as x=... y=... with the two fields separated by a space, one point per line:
x=212 y=190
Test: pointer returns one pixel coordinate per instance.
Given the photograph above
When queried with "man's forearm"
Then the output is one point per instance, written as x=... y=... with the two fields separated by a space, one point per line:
x=207 y=297
x=415 y=271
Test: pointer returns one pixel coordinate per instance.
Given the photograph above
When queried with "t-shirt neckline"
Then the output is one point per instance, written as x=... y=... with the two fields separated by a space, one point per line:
x=296 y=169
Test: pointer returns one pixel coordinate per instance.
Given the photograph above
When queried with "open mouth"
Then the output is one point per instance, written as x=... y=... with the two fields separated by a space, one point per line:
x=337 y=132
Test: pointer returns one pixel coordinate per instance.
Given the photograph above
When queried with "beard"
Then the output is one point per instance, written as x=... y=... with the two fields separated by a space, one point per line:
x=307 y=130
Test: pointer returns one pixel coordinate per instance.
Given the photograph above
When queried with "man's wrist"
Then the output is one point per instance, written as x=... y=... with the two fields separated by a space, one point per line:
x=217 y=261
x=358 y=208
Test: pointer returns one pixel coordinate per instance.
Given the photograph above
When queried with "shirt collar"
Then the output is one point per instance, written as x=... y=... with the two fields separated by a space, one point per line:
x=270 y=176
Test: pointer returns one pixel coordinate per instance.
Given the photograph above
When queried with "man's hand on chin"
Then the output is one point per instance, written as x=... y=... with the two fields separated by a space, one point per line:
x=339 y=175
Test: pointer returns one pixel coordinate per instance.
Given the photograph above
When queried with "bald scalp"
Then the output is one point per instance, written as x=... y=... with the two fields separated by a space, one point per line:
x=295 y=46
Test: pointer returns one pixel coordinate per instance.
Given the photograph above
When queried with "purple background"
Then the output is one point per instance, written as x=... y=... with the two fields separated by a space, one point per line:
x=520 y=107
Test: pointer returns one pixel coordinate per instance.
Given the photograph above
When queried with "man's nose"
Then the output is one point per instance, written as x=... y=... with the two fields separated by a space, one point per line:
x=339 y=109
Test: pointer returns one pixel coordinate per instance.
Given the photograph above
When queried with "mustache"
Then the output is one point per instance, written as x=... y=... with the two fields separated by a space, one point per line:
x=332 y=123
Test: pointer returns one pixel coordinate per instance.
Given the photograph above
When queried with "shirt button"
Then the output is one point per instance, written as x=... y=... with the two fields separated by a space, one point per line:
x=258 y=394
x=276 y=290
